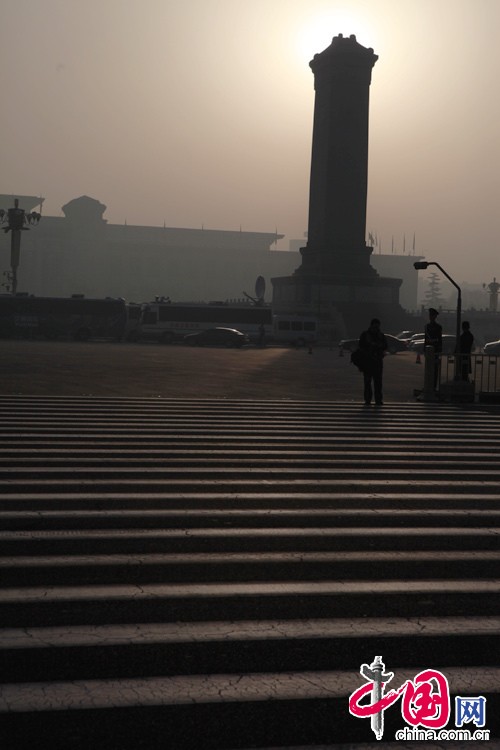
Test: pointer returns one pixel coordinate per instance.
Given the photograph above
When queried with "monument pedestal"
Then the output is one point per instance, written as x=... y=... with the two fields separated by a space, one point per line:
x=344 y=305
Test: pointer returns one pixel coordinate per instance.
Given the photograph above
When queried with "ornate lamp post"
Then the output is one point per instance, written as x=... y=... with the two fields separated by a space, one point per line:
x=15 y=219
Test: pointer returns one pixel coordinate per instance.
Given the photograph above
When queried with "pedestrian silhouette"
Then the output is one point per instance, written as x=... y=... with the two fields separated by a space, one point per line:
x=466 y=345
x=434 y=337
x=373 y=345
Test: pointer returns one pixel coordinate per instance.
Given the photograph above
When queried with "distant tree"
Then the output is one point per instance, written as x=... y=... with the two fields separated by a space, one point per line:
x=432 y=296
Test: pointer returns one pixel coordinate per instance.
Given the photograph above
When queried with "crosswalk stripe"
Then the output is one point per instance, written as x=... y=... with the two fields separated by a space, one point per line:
x=167 y=562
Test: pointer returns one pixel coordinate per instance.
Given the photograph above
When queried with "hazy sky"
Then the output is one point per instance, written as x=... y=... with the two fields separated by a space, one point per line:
x=199 y=112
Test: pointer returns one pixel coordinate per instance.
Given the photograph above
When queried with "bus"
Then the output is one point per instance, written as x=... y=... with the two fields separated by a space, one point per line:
x=77 y=317
x=168 y=322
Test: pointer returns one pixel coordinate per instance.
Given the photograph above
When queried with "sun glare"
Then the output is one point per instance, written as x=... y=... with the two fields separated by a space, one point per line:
x=315 y=34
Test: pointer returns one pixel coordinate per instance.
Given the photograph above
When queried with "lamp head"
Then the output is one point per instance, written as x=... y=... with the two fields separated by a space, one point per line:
x=420 y=265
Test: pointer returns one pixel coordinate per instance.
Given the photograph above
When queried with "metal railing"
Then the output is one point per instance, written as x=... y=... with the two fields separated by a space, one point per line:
x=460 y=377
x=480 y=369
x=468 y=377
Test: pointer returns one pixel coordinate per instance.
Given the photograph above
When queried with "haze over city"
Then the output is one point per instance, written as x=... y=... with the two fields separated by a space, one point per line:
x=199 y=113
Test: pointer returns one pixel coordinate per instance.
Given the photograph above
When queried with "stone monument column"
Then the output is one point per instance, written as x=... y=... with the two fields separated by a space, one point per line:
x=335 y=282
x=339 y=162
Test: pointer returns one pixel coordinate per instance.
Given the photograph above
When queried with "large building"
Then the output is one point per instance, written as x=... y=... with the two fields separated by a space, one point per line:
x=81 y=253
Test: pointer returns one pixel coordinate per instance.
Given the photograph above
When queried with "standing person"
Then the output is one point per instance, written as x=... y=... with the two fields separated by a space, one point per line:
x=434 y=337
x=262 y=333
x=466 y=344
x=373 y=344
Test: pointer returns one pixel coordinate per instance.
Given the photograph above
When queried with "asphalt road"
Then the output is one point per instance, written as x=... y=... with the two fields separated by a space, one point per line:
x=153 y=370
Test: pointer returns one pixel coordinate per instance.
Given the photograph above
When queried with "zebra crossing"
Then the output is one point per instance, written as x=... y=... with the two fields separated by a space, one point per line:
x=194 y=573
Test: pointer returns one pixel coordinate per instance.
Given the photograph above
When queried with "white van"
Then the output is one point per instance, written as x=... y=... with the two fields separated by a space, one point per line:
x=296 y=330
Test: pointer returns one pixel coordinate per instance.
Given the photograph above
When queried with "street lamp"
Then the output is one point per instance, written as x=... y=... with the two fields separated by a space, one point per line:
x=421 y=265
x=15 y=219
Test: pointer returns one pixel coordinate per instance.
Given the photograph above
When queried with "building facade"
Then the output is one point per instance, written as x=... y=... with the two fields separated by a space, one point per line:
x=81 y=253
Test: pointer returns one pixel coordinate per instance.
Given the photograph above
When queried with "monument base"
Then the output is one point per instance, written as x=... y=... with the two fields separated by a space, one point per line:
x=344 y=306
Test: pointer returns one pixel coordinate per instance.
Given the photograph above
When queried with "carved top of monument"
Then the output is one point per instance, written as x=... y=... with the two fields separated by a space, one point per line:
x=344 y=51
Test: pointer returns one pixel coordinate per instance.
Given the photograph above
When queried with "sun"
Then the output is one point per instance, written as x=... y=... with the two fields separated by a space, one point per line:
x=316 y=33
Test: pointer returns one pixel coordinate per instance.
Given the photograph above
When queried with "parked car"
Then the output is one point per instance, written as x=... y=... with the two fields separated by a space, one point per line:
x=449 y=343
x=229 y=337
x=405 y=335
x=394 y=345
x=413 y=338
x=492 y=347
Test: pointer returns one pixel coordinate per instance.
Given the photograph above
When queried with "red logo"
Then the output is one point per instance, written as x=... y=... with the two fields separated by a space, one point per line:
x=425 y=700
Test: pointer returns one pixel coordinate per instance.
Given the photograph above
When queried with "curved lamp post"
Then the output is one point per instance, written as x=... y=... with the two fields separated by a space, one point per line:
x=15 y=219
x=422 y=265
